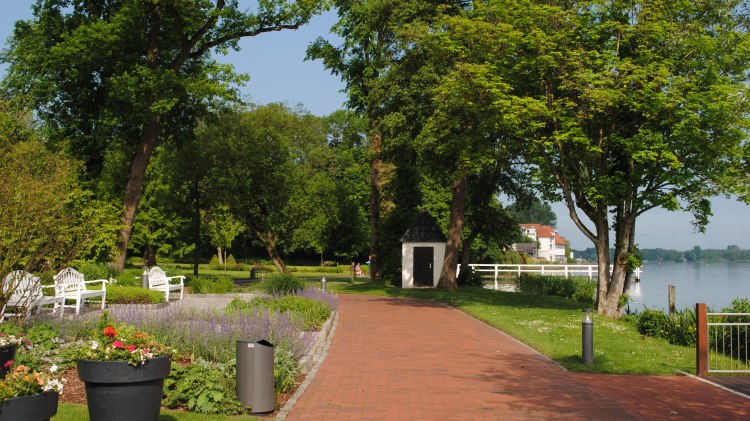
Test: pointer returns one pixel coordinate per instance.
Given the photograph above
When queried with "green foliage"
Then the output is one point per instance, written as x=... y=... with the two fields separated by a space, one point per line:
x=211 y=284
x=579 y=289
x=533 y=212
x=469 y=277
x=319 y=269
x=678 y=329
x=117 y=294
x=310 y=314
x=280 y=283
x=204 y=387
x=92 y=270
x=285 y=371
x=214 y=263
x=128 y=278
x=231 y=263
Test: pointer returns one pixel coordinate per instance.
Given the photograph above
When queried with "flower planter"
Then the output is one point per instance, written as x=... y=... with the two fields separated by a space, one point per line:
x=30 y=408
x=116 y=390
x=7 y=353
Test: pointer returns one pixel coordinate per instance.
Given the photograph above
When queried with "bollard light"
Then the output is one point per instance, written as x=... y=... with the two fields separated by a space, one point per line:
x=144 y=278
x=323 y=283
x=587 y=335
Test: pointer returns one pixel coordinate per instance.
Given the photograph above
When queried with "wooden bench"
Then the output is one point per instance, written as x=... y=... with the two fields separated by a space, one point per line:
x=26 y=294
x=69 y=284
x=159 y=281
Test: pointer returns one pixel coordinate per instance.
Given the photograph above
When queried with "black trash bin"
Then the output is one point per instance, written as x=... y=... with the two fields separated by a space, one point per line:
x=255 y=381
x=252 y=273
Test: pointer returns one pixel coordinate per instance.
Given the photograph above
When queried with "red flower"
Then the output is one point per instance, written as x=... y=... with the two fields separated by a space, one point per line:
x=130 y=347
x=9 y=363
x=118 y=344
x=110 y=332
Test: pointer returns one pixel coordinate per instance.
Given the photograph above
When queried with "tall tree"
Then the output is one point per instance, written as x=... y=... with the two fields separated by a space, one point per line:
x=368 y=29
x=123 y=75
x=625 y=106
x=533 y=212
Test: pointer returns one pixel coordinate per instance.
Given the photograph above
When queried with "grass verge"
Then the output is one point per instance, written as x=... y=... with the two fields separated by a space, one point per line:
x=552 y=326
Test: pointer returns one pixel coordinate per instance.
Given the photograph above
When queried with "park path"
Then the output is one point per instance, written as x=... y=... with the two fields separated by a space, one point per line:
x=407 y=359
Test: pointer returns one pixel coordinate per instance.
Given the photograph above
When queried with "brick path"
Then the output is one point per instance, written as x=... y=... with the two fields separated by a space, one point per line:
x=404 y=359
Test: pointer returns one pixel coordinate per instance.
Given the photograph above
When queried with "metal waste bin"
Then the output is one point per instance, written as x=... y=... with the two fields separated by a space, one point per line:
x=255 y=381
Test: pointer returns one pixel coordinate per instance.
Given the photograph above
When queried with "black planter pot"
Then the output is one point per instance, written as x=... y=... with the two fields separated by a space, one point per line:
x=30 y=408
x=116 y=390
x=7 y=353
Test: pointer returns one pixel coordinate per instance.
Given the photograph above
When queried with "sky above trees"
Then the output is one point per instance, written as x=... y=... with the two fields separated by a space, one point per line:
x=278 y=73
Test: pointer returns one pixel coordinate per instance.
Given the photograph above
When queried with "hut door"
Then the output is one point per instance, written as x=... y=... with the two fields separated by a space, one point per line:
x=423 y=261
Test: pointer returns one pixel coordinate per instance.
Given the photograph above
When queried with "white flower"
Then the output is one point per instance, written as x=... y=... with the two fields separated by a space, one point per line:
x=94 y=345
x=53 y=369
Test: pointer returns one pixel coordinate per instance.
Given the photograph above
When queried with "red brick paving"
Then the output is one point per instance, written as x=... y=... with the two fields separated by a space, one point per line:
x=404 y=359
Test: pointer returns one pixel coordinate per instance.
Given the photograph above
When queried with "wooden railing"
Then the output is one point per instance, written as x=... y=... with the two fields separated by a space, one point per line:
x=726 y=341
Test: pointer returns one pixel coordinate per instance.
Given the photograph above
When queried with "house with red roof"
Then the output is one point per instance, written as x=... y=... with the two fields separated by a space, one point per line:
x=547 y=244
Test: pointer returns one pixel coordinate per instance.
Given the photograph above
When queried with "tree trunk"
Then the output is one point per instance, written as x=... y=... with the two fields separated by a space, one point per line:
x=458 y=202
x=375 y=187
x=218 y=253
x=134 y=187
x=196 y=227
x=269 y=239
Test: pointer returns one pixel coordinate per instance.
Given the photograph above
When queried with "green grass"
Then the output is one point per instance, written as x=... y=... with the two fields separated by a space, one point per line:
x=552 y=325
x=73 y=412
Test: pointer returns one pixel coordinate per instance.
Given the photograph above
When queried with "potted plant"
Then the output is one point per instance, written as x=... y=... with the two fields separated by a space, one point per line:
x=124 y=372
x=29 y=395
x=8 y=347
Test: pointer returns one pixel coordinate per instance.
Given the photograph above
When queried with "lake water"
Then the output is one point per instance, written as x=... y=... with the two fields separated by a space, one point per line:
x=715 y=284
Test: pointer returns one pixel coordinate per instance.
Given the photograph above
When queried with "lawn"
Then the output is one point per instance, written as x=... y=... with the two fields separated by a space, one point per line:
x=552 y=326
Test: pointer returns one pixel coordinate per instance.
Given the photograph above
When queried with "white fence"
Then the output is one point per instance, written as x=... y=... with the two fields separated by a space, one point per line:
x=589 y=271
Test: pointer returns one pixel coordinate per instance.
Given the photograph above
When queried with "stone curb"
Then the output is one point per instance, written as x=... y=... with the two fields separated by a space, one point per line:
x=317 y=356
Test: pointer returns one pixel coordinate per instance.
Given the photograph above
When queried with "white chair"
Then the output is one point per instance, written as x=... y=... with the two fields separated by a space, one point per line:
x=26 y=294
x=69 y=284
x=159 y=281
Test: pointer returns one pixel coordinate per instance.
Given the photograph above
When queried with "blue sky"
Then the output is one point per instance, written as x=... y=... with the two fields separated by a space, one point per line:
x=278 y=73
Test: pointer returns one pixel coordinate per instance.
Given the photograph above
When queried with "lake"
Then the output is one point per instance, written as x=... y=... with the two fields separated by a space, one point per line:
x=715 y=284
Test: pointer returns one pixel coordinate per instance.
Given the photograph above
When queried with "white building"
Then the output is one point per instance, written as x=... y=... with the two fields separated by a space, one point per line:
x=548 y=244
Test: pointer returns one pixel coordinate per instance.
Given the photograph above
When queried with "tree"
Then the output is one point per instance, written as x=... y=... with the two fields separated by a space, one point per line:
x=256 y=158
x=624 y=106
x=123 y=76
x=533 y=212
x=46 y=218
x=222 y=229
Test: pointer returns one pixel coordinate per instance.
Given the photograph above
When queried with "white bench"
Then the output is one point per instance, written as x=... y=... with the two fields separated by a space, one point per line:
x=69 y=284
x=26 y=294
x=159 y=281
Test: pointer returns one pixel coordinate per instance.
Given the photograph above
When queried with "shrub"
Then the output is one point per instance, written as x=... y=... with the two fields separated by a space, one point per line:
x=309 y=314
x=91 y=270
x=133 y=295
x=318 y=269
x=678 y=329
x=281 y=283
x=204 y=387
x=129 y=278
x=214 y=263
x=575 y=288
x=233 y=265
x=211 y=285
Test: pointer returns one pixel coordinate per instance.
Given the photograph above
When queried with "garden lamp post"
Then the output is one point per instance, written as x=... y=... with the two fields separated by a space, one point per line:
x=587 y=335
x=144 y=277
x=323 y=283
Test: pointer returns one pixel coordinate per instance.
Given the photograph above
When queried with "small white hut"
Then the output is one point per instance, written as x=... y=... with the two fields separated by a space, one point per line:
x=422 y=252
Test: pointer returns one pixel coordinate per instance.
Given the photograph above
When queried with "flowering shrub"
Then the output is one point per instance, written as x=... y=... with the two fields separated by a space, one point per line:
x=6 y=340
x=121 y=343
x=21 y=381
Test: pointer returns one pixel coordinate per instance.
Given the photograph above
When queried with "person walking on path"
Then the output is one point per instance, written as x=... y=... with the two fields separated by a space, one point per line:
x=407 y=359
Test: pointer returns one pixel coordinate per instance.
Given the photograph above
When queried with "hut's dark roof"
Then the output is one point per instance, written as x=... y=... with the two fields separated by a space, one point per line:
x=424 y=230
